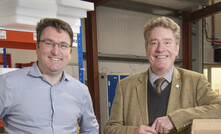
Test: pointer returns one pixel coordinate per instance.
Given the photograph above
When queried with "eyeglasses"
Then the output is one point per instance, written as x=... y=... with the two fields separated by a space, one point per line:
x=50 y=43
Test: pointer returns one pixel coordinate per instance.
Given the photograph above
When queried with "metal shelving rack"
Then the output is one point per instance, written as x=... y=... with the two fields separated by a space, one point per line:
x=4 y=56
x=80 y=57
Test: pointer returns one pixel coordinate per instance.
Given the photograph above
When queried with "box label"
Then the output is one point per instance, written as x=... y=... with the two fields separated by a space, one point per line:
x=34 y=36
x=2 y=34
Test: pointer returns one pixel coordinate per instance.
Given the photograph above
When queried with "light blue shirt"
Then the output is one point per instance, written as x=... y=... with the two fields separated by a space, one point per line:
x=153 y=77
x=29 y=104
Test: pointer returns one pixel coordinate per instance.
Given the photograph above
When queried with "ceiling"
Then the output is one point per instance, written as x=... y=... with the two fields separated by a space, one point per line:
x=158 y=7
x=174 y=4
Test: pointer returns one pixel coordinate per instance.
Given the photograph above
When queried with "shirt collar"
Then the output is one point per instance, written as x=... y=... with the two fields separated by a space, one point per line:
x=35 y=72
x=153 y=77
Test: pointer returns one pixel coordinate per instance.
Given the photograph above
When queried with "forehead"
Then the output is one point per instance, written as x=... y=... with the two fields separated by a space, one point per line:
x=48 y=30
x=55 y=35
x=161 y=33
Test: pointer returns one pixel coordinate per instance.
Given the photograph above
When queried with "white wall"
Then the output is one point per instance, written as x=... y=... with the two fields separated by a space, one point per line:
x=120 y=31
x=122 y=67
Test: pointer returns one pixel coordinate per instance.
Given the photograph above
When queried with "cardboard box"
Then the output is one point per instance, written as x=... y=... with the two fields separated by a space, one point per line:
x=206 y=126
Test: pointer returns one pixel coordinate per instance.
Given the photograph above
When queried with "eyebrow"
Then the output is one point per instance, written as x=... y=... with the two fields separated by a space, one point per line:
x=168 y=39
x=152 y=40
x=54 y=41
x=47 y=39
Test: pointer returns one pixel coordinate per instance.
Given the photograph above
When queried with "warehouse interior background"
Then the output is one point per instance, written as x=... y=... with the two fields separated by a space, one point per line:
x=120 y=42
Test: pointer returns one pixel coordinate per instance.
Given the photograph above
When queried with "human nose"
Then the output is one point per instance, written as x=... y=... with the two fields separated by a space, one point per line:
x=160 y=46
x=56 y=44
x=55 y=49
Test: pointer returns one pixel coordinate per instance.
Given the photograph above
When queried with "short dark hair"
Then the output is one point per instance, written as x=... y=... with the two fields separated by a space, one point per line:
x=55 y=23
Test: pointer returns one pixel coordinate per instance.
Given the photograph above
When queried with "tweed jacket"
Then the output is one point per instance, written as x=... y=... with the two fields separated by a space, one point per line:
x=191 y=97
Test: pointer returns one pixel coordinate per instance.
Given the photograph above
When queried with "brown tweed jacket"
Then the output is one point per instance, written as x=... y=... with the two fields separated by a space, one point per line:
x=191 y=97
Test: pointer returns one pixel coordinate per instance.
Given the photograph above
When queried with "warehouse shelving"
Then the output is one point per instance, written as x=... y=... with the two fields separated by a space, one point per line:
x=17 y=39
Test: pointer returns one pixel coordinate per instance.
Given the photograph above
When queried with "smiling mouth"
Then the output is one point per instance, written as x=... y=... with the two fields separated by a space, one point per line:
x=55 y=59
x=161 y=57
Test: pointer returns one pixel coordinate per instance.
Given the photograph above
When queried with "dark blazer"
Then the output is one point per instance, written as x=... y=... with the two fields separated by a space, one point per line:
x=191 y=97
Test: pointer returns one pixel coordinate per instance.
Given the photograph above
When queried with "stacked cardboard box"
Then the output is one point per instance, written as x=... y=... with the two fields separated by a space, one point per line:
x=206 y=126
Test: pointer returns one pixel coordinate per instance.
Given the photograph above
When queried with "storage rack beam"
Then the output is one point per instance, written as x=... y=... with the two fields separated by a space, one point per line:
x=92 y=60
x=4 y=56
x=18 y=40
x=80 y=57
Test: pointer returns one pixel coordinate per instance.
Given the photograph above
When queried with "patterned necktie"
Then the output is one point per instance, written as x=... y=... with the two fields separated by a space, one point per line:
x=159 y=83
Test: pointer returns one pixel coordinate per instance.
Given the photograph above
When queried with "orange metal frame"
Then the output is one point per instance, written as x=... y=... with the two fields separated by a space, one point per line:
x=18 y=40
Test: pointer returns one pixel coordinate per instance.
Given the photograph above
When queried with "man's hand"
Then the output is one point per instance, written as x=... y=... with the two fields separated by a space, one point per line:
x=163 y=125
x=142 y=129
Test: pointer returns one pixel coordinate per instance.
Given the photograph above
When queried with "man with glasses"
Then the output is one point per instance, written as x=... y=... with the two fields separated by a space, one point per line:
x=43 y=99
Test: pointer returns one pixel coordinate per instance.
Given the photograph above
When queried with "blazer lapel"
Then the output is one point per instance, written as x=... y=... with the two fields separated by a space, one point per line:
x=142 y=96
x=174 y=92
